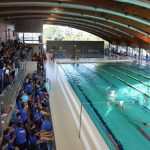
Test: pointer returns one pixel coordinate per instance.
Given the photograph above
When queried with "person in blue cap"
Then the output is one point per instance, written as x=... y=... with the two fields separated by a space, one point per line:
x=46 y=125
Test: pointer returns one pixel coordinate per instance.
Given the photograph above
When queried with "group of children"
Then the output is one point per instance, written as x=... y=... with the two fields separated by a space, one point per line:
x=30 y=127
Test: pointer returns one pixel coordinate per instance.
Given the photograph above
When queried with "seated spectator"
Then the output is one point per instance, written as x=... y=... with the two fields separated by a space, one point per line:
x=5 y=144
x=33 y=137
x=10 y=139
x=18 y=119
x=20 y=134
x=25 y=98
x=38 y=117
x=19 y=101
x=29 y=88
x=28 y=129
x=1 y=77
x=24 y=114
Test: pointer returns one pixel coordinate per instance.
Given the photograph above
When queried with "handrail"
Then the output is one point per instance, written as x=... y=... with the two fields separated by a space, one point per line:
x=8 y=99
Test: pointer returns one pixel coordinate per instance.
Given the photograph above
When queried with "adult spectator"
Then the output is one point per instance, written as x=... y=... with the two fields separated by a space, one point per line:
x=1 y=77
x=17 y=66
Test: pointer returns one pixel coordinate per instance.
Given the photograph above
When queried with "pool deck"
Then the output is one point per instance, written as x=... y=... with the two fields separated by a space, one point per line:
x=65 y=132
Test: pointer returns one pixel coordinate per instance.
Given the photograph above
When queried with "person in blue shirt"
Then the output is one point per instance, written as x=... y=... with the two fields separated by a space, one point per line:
x=11 y=128
x=47 y=86
x=9 y=139
x=25 y=98
x=29 y=88
x=32 y=137
x=41 y=94
x=19 y=101
x=38 y=117
x=18 y=119
x=5 y=145
x=45 y=104
x=24 y=114
x=20 y=134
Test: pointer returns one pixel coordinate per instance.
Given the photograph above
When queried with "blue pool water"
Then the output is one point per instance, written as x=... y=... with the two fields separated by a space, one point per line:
x=117 y=98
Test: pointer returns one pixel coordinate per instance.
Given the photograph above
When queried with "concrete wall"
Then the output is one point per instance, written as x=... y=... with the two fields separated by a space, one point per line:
x=11 y=34
x=37 y=47
x=29 y=25
x=76 y=46
x=7 y=31
x=3 y=29
x=31 y=67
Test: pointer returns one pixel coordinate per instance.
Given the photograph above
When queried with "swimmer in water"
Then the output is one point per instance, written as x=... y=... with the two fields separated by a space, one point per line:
x=121 y=106
x=145 y=123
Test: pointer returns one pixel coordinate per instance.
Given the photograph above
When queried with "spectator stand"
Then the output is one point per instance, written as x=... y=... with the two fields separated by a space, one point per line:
x=8 y=97
x=7 y=100
x=51 y=143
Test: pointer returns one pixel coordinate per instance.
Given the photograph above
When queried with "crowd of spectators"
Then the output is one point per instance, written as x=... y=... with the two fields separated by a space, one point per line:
x=39 y=58
x=11 y=53
x=29 y=127
x=120 y=53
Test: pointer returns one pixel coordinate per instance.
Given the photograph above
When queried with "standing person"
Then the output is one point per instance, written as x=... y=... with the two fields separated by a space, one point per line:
x=50 y=56
x=146 y=58
x=135 y=58
x=17 y=66
x=1 y=77
x=53 y=56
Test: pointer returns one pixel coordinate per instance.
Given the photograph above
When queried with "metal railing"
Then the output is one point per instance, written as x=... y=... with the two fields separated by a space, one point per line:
x=8 y=99
x=79 y=55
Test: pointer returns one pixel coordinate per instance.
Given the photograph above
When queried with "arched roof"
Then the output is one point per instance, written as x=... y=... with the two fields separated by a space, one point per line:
x=117 y=21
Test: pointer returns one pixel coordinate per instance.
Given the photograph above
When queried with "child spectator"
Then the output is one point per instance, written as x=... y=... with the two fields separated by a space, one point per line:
x=20 y=134
x=10 y=139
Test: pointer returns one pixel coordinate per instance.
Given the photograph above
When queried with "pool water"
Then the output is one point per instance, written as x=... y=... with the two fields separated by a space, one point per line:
x=117 y=98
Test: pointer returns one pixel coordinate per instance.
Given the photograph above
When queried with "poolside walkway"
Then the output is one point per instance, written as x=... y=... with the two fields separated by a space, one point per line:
x=65 y=131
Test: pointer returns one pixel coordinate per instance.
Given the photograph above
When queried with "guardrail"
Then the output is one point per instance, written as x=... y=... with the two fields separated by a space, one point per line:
x=7 y=100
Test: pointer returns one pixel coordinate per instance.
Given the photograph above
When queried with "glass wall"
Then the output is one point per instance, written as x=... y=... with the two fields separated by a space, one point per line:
x=30 y=37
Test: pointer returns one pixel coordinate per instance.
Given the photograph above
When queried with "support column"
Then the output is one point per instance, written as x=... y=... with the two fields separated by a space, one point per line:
x=139 y=53
x=109 y=45
x=117 y=47
x=127 y=50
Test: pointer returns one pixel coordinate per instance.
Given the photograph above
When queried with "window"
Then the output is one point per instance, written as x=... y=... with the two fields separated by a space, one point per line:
x=30 y=37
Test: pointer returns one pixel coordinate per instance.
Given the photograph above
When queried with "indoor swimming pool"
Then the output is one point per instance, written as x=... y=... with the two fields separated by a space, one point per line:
x=117 y=98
